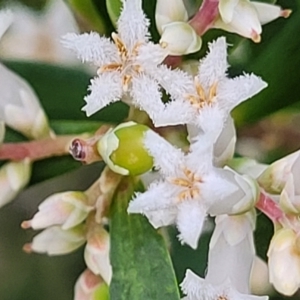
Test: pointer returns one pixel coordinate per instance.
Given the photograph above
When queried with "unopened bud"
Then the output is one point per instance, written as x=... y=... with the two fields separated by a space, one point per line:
x=67 y=209
x=179 y=38
x=6 y=17
x=284 y=262
x=13 y=178
x=169 y=11
x=19 y=106
x=96 y=252
x=274 y=178
x=123 y=149
x=55 y=241
x=90 y=287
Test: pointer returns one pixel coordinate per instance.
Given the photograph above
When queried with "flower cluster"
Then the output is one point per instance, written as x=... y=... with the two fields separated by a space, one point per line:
x=185 y=186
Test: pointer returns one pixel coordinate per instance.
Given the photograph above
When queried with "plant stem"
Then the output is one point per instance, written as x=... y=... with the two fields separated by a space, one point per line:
x=270 y=208
x=36 y=150
x=205 y=17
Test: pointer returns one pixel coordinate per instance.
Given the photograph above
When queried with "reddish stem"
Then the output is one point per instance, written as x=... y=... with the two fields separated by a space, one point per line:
x=270 y=208
x=205 y=17
x=36 y=150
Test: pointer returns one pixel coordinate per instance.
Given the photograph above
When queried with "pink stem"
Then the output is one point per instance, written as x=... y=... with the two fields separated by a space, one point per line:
x=269 y=207
x=205 y=17
x=36 y=150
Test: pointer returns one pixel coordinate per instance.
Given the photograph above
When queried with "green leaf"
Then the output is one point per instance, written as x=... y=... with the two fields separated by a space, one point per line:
x=87 y=10
x=278 y=64
x=141 y=264
x=61 y=91
x=114 y=9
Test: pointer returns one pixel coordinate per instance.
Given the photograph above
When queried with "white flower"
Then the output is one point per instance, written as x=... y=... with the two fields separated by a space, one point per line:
x=196 y=288
x=190 y=185
x=207 y=99
x=231 y=251
x=245 y=17
x=67 y=209
x=128 y=66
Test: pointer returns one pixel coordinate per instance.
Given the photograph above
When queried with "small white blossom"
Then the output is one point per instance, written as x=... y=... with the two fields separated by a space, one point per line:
x=207 y=99
x=128 y=66
x=197 y=288
x=190 y=185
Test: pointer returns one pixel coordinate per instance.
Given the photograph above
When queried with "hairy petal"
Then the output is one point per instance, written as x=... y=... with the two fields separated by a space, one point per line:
x=90 y=47
x=133 y=24
x=105 y=88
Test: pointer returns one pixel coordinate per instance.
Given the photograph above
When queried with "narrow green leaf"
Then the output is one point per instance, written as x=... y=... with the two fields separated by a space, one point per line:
x=141 y=264
x=114 y=9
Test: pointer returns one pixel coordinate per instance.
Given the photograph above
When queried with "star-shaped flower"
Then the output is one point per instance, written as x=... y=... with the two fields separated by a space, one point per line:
x=127 y=64
x=197 y=288
x=188 y=187
x=208 y=98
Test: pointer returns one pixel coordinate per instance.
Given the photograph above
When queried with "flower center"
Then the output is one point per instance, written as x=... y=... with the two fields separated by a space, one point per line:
x=202 y=98
x=127 y=66
x=189 y=183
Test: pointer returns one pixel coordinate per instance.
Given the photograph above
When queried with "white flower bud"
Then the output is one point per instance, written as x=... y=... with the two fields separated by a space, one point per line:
x=289 y=199
x=55 y=241
x=169 y=11
x=96 y=253
x=13 y=178
x=19 y=106
x=67 y=209
x=179 y=38
x=274 y=178
x=284 y=262
x=239 y=16
x=90 y=287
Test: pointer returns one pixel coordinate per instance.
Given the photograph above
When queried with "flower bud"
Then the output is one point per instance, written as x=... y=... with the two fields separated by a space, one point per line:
x=179 y=38
x=90 y=287
x=13 y=178
x=19 y=106
x=67 y=209
x=289 y=199
x=123 y=149
x=169 y=11
x=55 y=241
x=96 y=253
x=239 y=16
x=284 y=262
x=2 y=131
x=274 y=178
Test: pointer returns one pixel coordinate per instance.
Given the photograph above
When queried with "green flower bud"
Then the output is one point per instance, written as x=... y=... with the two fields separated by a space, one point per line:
x=123 y=149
